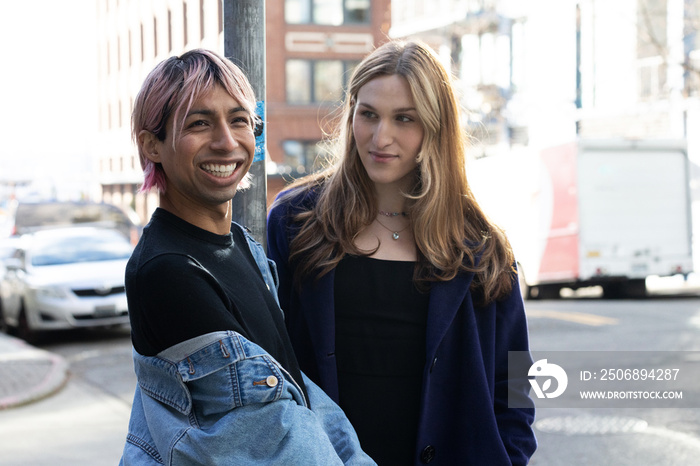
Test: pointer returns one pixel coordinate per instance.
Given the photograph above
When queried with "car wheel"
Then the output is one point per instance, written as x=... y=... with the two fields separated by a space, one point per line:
x=547 y=291
x=24 y=331
x=3 y=323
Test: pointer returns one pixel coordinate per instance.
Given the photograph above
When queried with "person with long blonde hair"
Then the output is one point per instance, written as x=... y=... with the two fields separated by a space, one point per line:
x=400 y=296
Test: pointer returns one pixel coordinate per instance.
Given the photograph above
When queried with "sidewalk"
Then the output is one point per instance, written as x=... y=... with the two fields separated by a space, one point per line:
x=27 y=373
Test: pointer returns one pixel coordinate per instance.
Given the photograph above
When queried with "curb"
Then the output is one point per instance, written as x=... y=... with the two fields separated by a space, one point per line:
x=28 y=374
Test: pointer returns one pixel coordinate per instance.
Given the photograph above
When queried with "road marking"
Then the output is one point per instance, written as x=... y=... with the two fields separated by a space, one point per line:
x=576 y=317
x=83 y=355
x=600 y=425
x=674 y=436
x=695 y=320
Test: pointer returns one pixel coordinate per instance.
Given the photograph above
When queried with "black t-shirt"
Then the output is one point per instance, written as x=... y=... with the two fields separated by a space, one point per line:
x=183 y=282
x=381 y=321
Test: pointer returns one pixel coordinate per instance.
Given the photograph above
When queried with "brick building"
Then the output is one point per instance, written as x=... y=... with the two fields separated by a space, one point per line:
x=313 y=46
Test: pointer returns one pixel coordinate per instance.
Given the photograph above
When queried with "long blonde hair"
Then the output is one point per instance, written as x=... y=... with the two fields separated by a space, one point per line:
x=451 y=231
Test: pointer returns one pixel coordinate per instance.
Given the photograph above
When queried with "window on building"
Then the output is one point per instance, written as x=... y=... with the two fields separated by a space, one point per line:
x=651 y=48
x=651 y=27
x=300 y=158
x=651 y=75
x=316 y=81
x=297 y=11
x=170 y=31
x=327 y=12
x=155 y=37
x=691 y=41
x=143 y=52
x=356 y=11
x=220 y=14
x=298 y=82
x=201 y=20
x=692 y=76
x=184 y=23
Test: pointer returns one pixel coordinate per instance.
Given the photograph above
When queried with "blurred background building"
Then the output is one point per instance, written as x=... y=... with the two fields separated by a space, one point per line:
x=542 y=71
x=532 y=74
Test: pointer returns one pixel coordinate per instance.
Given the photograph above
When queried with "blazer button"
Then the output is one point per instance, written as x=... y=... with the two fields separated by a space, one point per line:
x=427 y=454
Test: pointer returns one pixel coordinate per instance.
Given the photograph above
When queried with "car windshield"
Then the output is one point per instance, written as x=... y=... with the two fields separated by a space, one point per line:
x=67 y=249
x=30 y=217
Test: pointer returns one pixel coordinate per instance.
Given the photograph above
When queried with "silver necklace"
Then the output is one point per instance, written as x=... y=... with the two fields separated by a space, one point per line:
x=395 y=234
x=393 y=214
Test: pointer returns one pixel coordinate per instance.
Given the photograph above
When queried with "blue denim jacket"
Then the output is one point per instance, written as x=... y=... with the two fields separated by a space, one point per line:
x=220 y=399
x=267 y=266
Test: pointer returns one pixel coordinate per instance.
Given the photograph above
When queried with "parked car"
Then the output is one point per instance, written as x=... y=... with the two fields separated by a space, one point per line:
x=66 y=278
x=33 y=216
x=7 y=248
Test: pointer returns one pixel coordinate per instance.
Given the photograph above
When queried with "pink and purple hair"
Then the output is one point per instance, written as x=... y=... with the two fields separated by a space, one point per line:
x=169 y=91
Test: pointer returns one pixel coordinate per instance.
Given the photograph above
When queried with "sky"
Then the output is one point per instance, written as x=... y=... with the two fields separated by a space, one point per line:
x=48 y=87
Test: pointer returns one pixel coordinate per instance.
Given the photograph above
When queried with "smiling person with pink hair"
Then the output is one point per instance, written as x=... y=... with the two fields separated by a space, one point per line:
x=218 y=381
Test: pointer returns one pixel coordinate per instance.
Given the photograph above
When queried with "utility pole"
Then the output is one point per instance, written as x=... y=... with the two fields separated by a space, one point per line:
x=244 y=45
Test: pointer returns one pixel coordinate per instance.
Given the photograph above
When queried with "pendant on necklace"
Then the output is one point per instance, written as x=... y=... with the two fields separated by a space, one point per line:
x=396 y=235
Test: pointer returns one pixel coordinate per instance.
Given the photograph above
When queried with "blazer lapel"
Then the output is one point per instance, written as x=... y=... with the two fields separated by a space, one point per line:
x=317 y=300
x=445 y=300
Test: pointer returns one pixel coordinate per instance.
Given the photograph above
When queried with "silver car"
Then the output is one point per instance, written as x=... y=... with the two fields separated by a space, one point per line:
x=8 y=246
x=66 y=278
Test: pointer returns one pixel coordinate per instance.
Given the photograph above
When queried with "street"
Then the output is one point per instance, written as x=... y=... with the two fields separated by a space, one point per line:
x=617 y=436
x=85 y=423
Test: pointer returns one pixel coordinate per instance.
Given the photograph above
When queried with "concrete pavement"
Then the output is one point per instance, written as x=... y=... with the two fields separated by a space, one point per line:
x=27 y=373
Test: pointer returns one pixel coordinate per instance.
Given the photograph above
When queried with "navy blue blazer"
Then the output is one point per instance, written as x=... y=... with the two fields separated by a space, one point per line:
x=465 y=418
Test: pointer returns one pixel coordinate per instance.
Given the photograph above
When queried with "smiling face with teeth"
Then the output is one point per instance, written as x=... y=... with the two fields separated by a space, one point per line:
x=208 y=159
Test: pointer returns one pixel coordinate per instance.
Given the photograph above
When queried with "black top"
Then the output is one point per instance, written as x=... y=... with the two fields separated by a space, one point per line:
x=380 y=349
x=183 y=282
